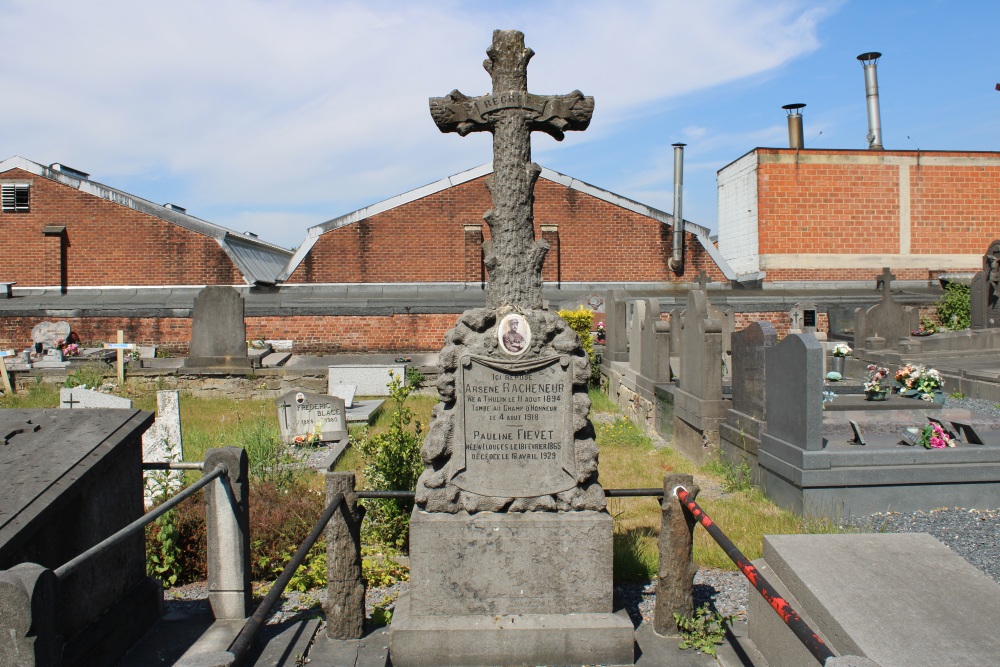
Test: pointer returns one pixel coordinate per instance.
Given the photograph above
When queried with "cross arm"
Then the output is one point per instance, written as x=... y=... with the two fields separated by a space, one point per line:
x=456 y=112
x=552 y=114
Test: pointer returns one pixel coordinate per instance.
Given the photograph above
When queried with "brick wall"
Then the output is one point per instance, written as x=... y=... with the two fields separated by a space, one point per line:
x=844 y=214
x=426 y=241
x=828 y=208
x=954 y=209
x=418 y=332
x=105 y=243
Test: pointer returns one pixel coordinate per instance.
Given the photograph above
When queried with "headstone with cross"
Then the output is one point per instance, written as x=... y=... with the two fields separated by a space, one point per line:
x=120 y=348
x=887 y=319
x=702 y=280
x=510 y=478
x=884 y=283
x=513 y=258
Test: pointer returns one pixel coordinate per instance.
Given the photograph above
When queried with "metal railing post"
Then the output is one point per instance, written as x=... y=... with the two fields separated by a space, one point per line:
x=227 y=521
x=675 y=582
x=345 y=588
x=28 y=624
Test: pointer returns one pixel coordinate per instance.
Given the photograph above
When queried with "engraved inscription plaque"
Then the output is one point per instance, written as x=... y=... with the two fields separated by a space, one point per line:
x=516 y=428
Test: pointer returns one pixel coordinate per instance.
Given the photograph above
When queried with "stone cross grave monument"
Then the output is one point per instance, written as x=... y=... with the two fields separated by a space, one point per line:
x=510 y=539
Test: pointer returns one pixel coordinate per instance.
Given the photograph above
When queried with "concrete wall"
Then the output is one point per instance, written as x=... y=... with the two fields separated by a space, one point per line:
x=105 y=243
x=737 y=192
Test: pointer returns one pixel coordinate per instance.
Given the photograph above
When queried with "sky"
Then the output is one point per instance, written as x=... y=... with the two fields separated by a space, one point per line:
x=272 y=116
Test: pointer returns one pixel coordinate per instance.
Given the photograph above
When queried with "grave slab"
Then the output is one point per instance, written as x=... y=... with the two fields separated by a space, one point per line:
x=898 y=599
x=77 y=398
x=365 y=412
x=344 y=391
x=370 y=380
x=72 y=479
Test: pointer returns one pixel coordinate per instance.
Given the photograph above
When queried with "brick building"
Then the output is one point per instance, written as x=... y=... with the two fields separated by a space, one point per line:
x=434 y=234
x=841 y=215
x=71 y=232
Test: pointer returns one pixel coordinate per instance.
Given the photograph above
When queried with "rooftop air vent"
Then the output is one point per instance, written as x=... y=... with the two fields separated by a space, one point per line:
x=175 y=207
x=69 y=171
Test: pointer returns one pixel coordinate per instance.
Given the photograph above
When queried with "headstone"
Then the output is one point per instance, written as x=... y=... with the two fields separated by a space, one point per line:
x=701 y=340
x=510 y=479
x=368 y=380
x=163 y=442
x=887 y=319
x=978 y=301
x=616 y=345
x=218 y=329
x=77 y=398
x=699 y=408
x=642 y=352
x=676 y=327
x=48 y=333
x=803 y=317
x=345 y=392
x=749 y=376
x=301 y=414
x=794 y=398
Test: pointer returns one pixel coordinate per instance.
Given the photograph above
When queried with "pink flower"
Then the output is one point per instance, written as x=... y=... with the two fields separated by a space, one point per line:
x=937 y=443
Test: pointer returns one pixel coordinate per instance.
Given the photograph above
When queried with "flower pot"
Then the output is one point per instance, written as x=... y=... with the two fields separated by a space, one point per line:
x=838 y=364
x=880 y=395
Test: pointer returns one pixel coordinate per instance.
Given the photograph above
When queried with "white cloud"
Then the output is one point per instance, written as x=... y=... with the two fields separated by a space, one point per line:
x=248 y=105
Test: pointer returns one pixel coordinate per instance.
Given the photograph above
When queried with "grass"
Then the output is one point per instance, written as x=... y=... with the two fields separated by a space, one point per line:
x=628 y=459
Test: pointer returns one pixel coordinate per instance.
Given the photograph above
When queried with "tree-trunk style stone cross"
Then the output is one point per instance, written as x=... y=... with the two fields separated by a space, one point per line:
x=513 y=257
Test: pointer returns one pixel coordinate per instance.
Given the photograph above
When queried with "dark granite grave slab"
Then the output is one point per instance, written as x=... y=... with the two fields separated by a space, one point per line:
x=69 y=479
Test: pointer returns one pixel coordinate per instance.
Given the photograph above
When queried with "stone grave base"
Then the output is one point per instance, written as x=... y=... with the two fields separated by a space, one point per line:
x=898 y=599
x=844 y=480
x=510 y=589
x=218 y=362
x=520 y=639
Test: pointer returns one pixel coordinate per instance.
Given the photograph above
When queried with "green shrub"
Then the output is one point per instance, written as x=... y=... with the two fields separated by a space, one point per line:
x=954 y=310
x=90 y=375
x=581 y=320
x=392 y=463
x=414 y=377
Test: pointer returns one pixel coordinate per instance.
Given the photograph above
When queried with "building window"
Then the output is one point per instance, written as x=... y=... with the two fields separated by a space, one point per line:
x=15 y=197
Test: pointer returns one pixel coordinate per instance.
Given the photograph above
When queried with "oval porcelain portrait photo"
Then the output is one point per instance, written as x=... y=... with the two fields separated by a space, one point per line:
x=514 y=334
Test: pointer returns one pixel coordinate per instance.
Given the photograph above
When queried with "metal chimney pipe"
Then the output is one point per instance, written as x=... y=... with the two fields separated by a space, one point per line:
x=676 y=262
x=795 y=136
x=869 y=61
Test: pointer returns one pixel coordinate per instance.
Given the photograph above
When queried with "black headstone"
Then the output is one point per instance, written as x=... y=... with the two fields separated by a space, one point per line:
x=748 y=367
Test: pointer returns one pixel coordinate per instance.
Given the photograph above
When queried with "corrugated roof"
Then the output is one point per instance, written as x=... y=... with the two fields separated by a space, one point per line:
x=254 y=258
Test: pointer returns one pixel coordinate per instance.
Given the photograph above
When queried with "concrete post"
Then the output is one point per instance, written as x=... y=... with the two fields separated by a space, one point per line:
x=345 y=588
x=28 y=624
x=675 y=583
x=227 y=520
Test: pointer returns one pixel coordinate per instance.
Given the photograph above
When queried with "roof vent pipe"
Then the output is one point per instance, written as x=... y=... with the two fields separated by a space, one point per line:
x=676 y=262
x=795 y=139
x=869 y=61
